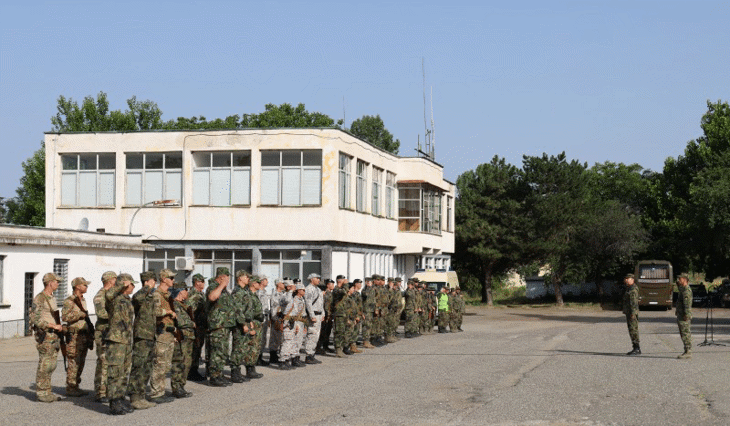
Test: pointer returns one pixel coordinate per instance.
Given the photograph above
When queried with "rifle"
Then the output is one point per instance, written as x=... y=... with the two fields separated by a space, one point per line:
x=178 y=332
x=89 y=325
x=61 y=336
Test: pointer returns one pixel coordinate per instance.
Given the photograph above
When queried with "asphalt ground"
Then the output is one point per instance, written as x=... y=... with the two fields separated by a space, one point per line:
x=511 y=366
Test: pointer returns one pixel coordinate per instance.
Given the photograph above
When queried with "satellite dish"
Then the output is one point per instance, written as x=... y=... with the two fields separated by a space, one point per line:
x=84 y=224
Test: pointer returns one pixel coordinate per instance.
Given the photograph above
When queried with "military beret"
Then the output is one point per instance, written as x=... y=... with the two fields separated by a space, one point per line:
x=398 y=279
x=240 y=273
x=198 y=277
x=180 y=285
x=127 y=277
x=222 y=271
x=329 y=280
x=166 y=273
x=79 y=281
x=340 y=277
x=51 y=277
x=357 y=280
x=629 y=276
x=148 y=275
x=108 y=275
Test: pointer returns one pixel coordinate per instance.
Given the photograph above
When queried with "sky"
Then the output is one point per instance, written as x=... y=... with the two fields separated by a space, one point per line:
x=620 y=81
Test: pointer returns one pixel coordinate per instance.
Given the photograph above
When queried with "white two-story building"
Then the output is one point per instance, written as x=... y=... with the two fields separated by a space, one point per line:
x=284 y=202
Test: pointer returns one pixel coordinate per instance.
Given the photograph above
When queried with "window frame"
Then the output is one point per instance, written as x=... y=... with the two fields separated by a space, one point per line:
x=144 y=171
x=232 y=168
x=281 y=169
x=345 y=181
x=376 y=195
x=60 y=269
x=361 y=186
x=78 y=172
x=429 y=209
x=390 y=193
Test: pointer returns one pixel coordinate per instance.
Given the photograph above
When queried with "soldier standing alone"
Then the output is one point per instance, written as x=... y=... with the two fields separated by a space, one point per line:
x=631 y=310
x=684 y=314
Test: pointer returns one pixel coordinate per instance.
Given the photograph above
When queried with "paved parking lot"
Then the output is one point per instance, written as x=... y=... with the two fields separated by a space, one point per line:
x=512 y=366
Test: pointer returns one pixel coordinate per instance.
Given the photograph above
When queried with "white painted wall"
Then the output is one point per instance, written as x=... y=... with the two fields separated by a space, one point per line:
x=357 y=266
x=339 y=264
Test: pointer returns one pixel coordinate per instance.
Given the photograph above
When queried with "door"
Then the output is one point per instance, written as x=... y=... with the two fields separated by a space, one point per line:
x=28 y=299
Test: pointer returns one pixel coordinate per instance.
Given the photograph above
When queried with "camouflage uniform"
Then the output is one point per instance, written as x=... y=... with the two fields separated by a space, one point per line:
x=294 y=329
x=354 y=316
x=461 y=305
x=684 y=316
x=183 y=349
x=344 y=312
x=315 y=311
x=277 y=312
x=453 y=310
x=196 y=301
x=368 y=307
x=411 y=325
x=324 y=334
x=248 y=311
x=164 y=343
x=118 y=340
x=631 y=310
x=394 y=310
x=144 y=340
x=220 y=322
x=265 y=301
x=101 y=327
x=79 y=340
x=47 y=342
x=431 y=304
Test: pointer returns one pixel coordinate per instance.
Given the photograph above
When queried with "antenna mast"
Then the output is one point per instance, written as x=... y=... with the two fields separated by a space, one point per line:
x=427 y=139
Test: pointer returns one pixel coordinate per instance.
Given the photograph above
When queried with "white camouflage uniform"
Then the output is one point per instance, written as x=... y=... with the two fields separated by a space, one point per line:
x=315 y=309
x=293 y=335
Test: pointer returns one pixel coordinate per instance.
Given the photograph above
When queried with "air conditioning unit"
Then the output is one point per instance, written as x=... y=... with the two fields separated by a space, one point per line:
x=183 y=263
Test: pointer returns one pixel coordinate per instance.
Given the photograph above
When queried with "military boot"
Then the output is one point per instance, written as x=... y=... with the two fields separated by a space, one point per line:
x=75 y=392
x=347 y=350
x=48 y=398
x=354 y=349
x=116 y=408
x=140 y=403
x=686 y=355
x=635 y=351
x=126 y=405
x=285 y=365
x=236 y=376
x=195 y=376
x=366 y=344
x=340 y=353
x=273 y=357
x=261 y=361
x=251 y=372
x=297 y=362
x=310 y=359
x=217 y=382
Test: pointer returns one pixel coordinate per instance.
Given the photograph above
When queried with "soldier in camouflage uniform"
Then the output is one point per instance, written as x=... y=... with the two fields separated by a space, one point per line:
x=324 y=335
x=247 y=333
x=164 y=337
x=119 y=342
x=144 y=340
x=184 y=339
x=196 y=301
x=461 y=305
x=394 y=309
x=265 y=300
x=631 y=310
x=453 y=310
x=344 y=306
x=220 y=322
x=684 y=314
x=368 y=307
x=277 y=313
x=315 y=311
x=294 y=329
x=411 y=325
x=108 y=279
x=47 y=334
x=79 y=338
x=382 y=304
x=355 y=317
x=432 y=304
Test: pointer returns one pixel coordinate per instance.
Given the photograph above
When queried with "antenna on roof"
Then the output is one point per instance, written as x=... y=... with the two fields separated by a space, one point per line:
x=428 y=138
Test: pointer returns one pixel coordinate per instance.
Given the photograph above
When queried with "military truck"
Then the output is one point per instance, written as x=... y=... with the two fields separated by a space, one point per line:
x=655 y=278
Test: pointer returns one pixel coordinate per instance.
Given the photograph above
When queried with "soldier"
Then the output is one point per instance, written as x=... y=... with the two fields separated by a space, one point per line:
x=394 y=309
x=48 y=332
x=108 y=279
x=432 y=304
x=343 y=308
x=80 y=335
x=165 y=337
x=294 y=329
x=453 y=310
x=277 y=326
x=324 y=335
x=368 y=306
x=144 y=340
x=425 y=317
x=461 y=308
x=220 y=322
x=119 y=342
x=184 y=340
x=443 y=304
x=196 y=301
x=265 y=300
x=631 y=310
x=684 y=314
x=355 y=317
x=247 y=334
x=315 y=311
x=382 y=301
x=411 y=326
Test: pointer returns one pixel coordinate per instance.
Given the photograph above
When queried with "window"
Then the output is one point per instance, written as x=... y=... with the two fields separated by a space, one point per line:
x=153 y=176
x=2 y=281
x=345 y=177
x=164 y=259
x=361 y=189
x=207 y=261
x=87 y=180
x=390 y=195
x=419 y=209
x=222 y=178
x=292 y=263
x=377 y=184
x=60 y=268
x=449 y=213
x=291 y=178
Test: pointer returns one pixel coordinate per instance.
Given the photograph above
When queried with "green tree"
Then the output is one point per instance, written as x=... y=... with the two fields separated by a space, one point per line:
x=28 y=207
x=287 y=116
x=372 y=130
x=490 y=222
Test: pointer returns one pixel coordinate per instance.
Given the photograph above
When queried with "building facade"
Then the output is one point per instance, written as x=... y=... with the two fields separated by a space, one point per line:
x=283 y=202
x=27 y=253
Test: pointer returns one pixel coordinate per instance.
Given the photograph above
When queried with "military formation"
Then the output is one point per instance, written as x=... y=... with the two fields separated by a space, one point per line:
x=161 y=329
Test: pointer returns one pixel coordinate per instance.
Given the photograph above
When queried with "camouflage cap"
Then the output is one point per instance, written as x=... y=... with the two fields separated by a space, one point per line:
x=329 y=281
x=299 y=286
x=240 y=273
x=357 y=280
x=167 y=273
x=51 y=277
x=198 y=277
x=255 y=279
x=340 y=277
x=297 y=280
x=288 y=282
x=108 y=275
x=313 y=275
x=180 y=285
x=683 y=275
x=629 y=276
x=398 y=279
x=147 y=275
x=368 y=279
x=79 y=281
x=126 y=277
x=222 y=271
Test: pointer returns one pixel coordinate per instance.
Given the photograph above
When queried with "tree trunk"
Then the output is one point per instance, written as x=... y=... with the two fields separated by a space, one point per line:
x=558 y=291
x=487 y=288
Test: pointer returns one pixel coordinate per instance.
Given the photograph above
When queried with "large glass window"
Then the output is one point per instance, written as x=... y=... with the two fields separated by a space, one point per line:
x=60 y=268
x=87 y=180
x=345 y=179
x=291 y=178
x=291 y=263
x=222 y=178
x=153 y=176
x=164 y=259
x=361 y=189
x=390 y=195
x=207 y=261
x=419 y=208
x=376 y=195
x=449 y=213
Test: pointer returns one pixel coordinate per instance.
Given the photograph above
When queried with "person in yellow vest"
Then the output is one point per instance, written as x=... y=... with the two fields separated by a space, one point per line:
x=47 y=332
x=444 y=314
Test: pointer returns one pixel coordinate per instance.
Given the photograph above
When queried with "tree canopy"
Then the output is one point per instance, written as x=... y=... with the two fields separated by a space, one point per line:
x=372 y=130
